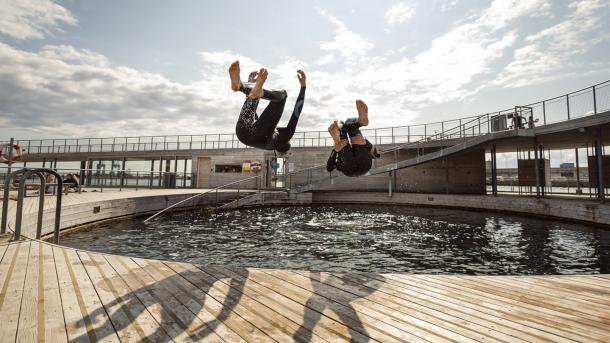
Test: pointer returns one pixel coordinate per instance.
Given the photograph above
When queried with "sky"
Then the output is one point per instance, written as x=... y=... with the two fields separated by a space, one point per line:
x=84 y=68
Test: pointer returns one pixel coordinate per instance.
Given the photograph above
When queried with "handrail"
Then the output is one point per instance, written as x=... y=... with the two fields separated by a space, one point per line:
x=216 y=141
x=198 y=195
x=26 y=173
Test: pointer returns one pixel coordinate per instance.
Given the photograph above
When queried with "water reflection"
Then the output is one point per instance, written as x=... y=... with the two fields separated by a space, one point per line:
x=361 y=238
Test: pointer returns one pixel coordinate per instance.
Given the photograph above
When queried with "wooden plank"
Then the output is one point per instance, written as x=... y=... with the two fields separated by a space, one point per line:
x=3 y=249
x=215 y=313
x=128 y=315
x=517 y=289
x=540 y=318
x=315 y=283
x=326 y=329
x=7 y=265
x=569 y=287
x=323 y=311
x=280 y=328
x=426 y=311
x=450 y=306
x=178 y=321
x=85 y=317
x=28 y=330
x=12 y=292
x=462 y=300
x=54 y=324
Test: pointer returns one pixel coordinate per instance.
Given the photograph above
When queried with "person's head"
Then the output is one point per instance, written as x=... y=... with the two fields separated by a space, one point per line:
x=70 y=176
x=282 y=149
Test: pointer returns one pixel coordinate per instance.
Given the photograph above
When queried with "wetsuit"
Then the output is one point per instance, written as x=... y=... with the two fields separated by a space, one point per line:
x=353 y=159
x=260 y=131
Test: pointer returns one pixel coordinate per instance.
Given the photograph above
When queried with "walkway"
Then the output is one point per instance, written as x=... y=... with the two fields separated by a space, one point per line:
x=56 y=294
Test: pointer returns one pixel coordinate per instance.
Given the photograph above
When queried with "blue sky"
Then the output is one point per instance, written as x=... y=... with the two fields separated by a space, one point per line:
x=116 y=68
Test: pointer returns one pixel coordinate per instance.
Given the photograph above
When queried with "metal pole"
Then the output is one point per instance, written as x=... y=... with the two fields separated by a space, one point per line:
x=544 y=112
x=568 y=105
x=578 y=190
x=494 y=171
x=390 y=184
x=594 y=101
x=536 y=167
x=122 y=184
x=10 y=157
x=600 y=166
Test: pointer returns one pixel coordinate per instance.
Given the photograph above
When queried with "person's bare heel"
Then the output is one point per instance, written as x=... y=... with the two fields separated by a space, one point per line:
x=257 y=90
x=363 y=113
x=234 y=75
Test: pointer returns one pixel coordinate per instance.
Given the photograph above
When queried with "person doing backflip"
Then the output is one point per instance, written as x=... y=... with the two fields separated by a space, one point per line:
x=353 y=154
x=262 y=131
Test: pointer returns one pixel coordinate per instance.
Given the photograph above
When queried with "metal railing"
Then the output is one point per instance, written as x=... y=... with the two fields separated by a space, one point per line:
x=587 y=101
x=515 y=118
x=24 y=175
x=210 y=191
x=118 y=178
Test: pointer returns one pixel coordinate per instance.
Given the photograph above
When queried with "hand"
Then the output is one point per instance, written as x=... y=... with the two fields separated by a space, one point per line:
x=301 y=77
x=253 y=76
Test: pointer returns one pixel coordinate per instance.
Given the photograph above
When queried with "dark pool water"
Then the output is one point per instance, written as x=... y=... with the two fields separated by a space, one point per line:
x=358 y=238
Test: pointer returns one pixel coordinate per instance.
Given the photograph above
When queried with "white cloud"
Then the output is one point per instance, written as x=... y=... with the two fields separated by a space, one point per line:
x=557 y=48
x=345 y=42
x=448 y=5
x=398 y=14
x=30 y=19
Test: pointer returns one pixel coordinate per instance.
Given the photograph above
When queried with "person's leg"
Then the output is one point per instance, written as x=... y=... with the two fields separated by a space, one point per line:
x=267 y=121
x=247 y=118
x=363 y=113
x=271 y=95
x=338 y=141
x=350 y=128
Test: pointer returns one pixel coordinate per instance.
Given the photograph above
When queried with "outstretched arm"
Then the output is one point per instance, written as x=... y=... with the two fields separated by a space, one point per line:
x=298 y=106
x=332 y=161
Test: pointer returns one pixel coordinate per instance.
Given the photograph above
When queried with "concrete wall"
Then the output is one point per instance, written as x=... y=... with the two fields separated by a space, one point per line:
x=456 y=174
x=573 y=209
x=89 y=212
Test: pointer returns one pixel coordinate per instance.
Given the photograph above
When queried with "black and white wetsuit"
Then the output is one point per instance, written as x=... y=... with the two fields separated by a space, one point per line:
x=262 y=131
x=353 y=159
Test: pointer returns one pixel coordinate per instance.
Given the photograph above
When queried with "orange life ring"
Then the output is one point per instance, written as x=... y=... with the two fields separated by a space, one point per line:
x=15 y=156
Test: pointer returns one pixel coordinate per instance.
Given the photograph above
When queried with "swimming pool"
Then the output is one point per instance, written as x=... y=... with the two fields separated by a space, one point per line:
x=359 y=238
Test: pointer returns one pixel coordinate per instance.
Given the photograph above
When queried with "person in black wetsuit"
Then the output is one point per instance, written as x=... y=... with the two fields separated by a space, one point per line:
x=353 y=154
x=262 y=131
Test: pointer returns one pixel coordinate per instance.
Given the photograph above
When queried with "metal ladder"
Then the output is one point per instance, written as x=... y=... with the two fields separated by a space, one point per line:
x=26 y=173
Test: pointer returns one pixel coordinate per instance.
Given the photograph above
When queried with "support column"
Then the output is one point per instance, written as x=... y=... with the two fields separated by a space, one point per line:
x=537 y=167
x=82 y=175
x=123 y=163
x=160 y=170
x=390 y=183
x=600 y=167
x=494 y=171
x=578 y=190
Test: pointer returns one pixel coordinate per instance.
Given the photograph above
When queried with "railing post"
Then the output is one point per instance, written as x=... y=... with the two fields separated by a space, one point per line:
x=376 y=143
x=544 y=112
x=594 y=101
x=409 y=134
x=568 y=104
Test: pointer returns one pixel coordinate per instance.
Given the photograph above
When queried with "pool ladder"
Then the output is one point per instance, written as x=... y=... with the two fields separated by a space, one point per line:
x=24 y=174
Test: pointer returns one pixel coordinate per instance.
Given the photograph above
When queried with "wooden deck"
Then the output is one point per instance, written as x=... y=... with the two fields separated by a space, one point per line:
x=57 y=294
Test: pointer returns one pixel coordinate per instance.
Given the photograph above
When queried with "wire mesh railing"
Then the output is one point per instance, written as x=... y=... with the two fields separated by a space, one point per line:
x=587 y=101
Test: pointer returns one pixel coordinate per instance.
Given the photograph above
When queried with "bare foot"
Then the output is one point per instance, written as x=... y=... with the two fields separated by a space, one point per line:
x=333 y=129
x=257 y=90
x=363 y=113
x=234 y=75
